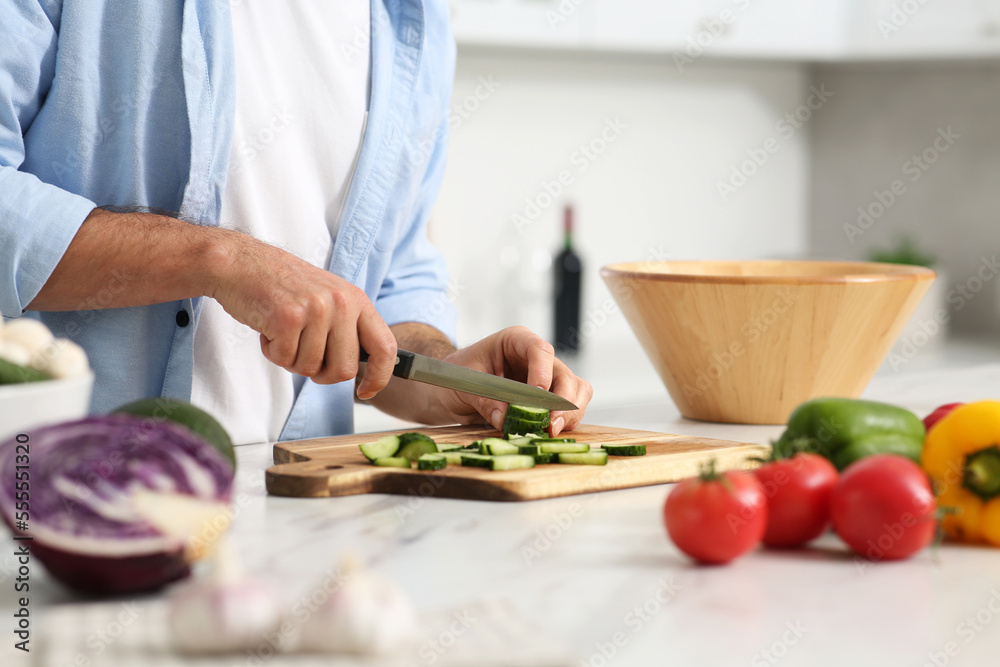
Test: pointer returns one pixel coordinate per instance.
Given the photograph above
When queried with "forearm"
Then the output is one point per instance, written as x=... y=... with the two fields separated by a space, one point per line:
x=119 y=260
x=415 y=401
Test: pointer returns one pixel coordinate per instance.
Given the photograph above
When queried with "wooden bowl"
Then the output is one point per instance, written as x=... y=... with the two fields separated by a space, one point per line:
x=748 y=341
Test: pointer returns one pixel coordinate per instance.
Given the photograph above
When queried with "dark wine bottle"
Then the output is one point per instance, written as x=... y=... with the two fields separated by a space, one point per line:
x=567 y=282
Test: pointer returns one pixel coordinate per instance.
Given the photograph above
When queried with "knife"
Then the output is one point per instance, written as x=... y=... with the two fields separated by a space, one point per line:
x=417 y=367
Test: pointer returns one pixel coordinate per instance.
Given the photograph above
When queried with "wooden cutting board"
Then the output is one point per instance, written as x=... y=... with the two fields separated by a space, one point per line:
x=336 y=467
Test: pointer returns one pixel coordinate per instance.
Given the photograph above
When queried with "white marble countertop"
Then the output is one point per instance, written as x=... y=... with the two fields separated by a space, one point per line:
x=598 y=577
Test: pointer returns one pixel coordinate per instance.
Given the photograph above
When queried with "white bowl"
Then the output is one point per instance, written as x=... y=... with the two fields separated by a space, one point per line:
x=32 y=404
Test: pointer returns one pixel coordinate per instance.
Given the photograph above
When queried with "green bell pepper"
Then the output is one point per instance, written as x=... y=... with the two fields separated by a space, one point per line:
x=845 y=430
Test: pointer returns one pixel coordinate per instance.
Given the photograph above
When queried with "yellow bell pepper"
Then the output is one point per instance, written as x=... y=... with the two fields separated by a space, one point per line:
x=962 y=456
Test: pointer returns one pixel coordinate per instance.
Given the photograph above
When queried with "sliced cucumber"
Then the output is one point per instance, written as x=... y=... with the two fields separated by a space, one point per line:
x=447 y=447
x=453 y=458
x=521 y=440
x=542 y=441
x=594 y=458
x=565 y=448
x=413 y=436
x=545 y=458
x=528 y=414
x=432 y=462
x=512 y=462
x=384 y=447
x=529 y=450
x=392 y=462
x=625 y=450
x=414 y=449
x=477 y=460
x=497 y=447
x=516 y=427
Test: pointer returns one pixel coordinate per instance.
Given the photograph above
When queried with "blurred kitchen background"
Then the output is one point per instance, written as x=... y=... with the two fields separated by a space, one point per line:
x=701 y=129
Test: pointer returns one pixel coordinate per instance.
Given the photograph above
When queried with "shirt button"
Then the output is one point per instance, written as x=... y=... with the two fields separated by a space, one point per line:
x=183 y=319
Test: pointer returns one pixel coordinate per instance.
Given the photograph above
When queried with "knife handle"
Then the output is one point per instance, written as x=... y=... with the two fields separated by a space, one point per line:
x=404 y=362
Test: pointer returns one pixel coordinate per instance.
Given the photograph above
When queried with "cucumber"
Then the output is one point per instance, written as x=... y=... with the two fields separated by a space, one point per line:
x=432 y=462
x=447 y=447
x=521 y=419
x=392 y=462
x=497 y=447
x=453 y=458
x=528 y=414
x=594 y=458
x=625 y=450
x=542 y=441
x=545 y=458
x=413 y=436
x=14 y=374
x=477 y=460
x=416 y=448
x=529 y=450
x=384 y=447
x=565 y=448
x=512 y=462
x=521 y=440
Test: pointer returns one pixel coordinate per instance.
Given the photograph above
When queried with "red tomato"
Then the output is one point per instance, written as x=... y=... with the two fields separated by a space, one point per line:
x=715 y=518
x=939 y=414
x=883 y=507
x=798 y=498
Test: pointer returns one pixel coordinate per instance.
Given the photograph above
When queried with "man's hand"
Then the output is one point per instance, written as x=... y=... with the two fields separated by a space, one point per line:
x=310 y=321
x=515 y=353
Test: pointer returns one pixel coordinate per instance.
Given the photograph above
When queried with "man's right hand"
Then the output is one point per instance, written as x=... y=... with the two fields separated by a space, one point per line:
x=311 y=322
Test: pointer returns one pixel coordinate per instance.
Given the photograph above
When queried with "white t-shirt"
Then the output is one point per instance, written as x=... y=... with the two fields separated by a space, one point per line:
x=302 y=86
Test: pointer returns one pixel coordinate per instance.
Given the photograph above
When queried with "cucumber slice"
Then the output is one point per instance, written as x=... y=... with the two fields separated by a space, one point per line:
x=413 y=436
x=384 y=447
x=594 y=458
x=565 y=448
x=515 y=427
x=453 y=458
x=512 y=462
x=477 y=460
x=497 y=447
x=414 y=449
x=541 y=459
x=625 y=450
x=521 y=440
x=392 y=462
x=529 y=450
x=542 y=441
x=447 y=447
x=528 y=414
x=432 y=462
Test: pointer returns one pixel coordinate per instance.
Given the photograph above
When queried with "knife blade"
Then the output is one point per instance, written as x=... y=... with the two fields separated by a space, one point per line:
x=419 y=368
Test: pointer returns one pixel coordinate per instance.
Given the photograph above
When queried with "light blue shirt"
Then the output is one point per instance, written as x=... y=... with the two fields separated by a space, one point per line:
x=117 y=102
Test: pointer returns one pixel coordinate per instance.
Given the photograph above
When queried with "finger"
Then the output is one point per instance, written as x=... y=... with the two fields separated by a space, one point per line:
x=378 y=341
x=536 y=352
x=340 y=362
x=575 y=389
x=280 y=339
x=312 y=349
x=492 y=412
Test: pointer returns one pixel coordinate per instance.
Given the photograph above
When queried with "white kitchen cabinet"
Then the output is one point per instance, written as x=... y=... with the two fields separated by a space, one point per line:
x=828 y=31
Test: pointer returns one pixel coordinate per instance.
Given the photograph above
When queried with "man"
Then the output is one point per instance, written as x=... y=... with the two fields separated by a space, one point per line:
x=316 y=126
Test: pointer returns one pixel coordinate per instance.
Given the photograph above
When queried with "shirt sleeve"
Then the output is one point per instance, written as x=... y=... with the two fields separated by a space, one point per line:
x=416 y=288
x=37 y=220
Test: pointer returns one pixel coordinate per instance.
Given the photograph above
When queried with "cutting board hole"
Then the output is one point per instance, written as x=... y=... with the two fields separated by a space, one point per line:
x=334 y=467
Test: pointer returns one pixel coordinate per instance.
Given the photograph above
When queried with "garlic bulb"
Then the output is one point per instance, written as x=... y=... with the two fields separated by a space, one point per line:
x=226 y=612
x=14 y=353
x=367 y=615
x=30 y=334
